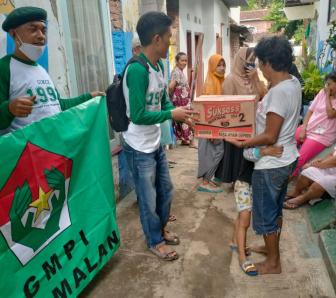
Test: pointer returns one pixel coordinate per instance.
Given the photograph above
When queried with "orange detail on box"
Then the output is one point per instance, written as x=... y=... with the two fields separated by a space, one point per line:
x=225 y=116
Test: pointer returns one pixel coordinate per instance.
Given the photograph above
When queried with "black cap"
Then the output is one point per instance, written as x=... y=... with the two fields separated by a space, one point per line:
x=23 y=15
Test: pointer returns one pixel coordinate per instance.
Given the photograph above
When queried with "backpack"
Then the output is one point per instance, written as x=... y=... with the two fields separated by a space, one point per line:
x=115 y=99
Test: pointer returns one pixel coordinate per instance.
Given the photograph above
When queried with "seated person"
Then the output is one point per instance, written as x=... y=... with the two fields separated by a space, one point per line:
x=318 y=177
x=318 y=130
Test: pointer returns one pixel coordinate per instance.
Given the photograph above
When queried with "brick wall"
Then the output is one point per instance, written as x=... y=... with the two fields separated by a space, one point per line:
x=261 y=28
x=173 y=12
x=116 y=15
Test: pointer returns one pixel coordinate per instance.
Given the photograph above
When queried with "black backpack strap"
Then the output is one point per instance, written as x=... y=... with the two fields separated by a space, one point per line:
x=135 y=59
x=140 y=60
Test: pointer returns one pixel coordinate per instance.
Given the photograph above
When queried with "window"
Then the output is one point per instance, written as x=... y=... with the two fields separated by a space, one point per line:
x=332 y=11
x=88 y=46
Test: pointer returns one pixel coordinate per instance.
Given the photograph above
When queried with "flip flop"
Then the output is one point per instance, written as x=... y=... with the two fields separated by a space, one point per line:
x=234 y=248
x=216 y=181
x=204 y=189
x=290 y=206
x=171 y=238
x=247 y=266
x=170 y=255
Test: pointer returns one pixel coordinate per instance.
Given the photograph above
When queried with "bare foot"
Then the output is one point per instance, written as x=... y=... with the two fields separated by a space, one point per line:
x=291 y=195
x=294 y=203
x=193 y=145
x=267 y=268
x=261 y=249
x=299 y=200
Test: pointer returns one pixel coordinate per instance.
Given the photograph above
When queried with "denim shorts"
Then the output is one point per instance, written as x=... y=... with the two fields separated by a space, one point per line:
x=269 y=188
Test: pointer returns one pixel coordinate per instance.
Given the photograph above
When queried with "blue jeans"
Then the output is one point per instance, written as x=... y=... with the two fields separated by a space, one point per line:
x=154 y=190
x=269 y=188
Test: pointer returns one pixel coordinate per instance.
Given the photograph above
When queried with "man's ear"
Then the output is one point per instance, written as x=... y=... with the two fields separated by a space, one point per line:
x=12 y=33
x=156 y=38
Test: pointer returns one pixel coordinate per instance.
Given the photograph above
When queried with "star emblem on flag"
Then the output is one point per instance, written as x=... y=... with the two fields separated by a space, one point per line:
x=42 y=203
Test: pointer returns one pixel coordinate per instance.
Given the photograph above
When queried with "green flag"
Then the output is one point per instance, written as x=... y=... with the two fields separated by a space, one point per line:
x=57 y=207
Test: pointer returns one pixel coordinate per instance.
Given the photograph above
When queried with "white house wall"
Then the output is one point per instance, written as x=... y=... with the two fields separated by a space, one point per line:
x=235 y=14
x=322 y=23
x=221 y=16
x=152 y=5
x=204 y=17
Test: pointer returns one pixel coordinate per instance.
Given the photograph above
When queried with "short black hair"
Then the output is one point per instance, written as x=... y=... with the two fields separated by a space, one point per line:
x=151 y=24
x=179 y=55
x=331 y=76
x=275 y=50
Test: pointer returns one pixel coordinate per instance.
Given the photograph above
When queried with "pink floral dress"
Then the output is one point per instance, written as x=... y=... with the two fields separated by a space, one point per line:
x=181 y=98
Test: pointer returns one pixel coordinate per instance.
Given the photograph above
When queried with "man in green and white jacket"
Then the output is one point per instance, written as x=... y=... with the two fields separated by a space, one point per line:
x=147 y=106
x=27 y=93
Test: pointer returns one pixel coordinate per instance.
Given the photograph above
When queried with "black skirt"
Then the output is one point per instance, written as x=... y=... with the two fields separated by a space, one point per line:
x=230 y=165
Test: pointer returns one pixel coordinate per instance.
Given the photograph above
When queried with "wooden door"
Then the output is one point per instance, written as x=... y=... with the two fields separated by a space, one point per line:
x=199 y=61
x=219 y=49
x=189 y=54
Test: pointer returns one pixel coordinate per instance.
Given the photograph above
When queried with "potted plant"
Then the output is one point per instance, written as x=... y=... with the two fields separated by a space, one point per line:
x=313 y=82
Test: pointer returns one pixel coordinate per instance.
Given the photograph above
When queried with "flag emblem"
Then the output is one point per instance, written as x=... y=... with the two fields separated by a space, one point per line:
x=34 y=201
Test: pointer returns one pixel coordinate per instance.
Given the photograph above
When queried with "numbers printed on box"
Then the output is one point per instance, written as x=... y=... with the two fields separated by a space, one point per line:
x=242 y=117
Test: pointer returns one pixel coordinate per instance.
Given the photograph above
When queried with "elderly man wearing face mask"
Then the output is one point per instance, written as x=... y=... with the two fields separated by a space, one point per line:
x=27 y=93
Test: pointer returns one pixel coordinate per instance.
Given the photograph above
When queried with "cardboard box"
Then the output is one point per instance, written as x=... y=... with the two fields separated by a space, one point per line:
x=224 y=116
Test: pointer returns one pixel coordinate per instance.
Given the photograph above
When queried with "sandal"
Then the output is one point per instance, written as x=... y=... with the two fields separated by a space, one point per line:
x=171 y=238
x=249 y=268
x=209 y=188
x=172 y=217
x=170 y=255
x=290 y=206
x=216 y=181
x=234 y=248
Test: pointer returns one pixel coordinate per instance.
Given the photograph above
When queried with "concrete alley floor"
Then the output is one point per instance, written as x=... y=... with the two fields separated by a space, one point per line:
x=207 y=267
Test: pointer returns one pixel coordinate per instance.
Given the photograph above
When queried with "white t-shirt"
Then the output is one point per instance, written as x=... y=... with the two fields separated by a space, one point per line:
x=28 y=80
x=146 y=138
x=284 y=99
